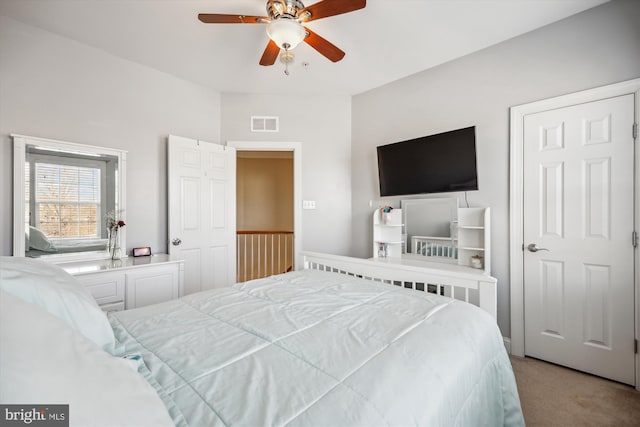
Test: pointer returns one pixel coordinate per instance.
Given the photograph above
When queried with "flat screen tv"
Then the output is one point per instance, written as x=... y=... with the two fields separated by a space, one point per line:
x=440 y=163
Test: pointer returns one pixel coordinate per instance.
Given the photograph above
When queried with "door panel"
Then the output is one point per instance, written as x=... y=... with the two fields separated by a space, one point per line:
x=189 y=203
x=552 y=297
x=597 y=316
x=597 y=198
x=552 y=196
x=578 y=207
x=218 y=196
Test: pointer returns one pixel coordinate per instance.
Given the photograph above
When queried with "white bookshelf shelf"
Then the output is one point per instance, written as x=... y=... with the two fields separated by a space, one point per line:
x=387 y=234
x=474 y=236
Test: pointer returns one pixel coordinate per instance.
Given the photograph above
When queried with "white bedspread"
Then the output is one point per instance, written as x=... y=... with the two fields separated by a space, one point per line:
x=323 y=349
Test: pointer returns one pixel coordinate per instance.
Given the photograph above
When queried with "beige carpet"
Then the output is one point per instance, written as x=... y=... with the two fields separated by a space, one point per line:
x=555 y=396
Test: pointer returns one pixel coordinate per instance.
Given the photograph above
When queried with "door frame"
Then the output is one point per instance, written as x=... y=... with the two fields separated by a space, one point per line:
x=296 y=148
x=516 y=200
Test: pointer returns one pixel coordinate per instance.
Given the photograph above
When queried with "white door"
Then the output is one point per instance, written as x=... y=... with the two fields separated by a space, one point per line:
x=202 y=212
x=578 y=209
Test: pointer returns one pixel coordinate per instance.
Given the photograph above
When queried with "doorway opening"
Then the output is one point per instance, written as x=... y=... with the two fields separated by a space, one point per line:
x=276 y=149
x=264 y=213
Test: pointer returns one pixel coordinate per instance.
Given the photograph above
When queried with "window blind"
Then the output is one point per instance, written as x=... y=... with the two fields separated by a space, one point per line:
x=67 y=200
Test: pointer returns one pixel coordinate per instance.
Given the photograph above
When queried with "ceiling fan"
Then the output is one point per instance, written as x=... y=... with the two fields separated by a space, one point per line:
x=285 y=26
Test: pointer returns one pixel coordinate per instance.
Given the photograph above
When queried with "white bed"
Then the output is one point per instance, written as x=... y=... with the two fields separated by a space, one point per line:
x=319 y=348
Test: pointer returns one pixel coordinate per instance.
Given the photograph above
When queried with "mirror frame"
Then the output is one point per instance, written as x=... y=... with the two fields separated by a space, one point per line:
x=20 y=143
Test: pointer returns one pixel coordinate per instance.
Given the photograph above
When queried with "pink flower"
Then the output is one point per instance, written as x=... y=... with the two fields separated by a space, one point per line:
x=121 y=223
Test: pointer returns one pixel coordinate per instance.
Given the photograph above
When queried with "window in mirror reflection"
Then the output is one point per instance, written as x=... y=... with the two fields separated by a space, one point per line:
x=66 y=196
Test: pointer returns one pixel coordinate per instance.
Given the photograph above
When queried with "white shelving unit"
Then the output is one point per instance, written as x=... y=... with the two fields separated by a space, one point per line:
x=474 y=236
x=387 y=234
x=471 y=237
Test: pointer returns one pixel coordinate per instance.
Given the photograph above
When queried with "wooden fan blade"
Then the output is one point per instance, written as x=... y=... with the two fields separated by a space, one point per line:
x=326 y=48
x=270 y=54
x=215 y=18
x=327 y=8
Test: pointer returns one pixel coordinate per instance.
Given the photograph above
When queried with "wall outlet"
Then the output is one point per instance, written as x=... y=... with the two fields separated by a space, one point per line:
x=308 y=204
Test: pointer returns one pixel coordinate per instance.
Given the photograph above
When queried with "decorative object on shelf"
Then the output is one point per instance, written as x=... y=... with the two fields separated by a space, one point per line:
x=476 y=261
x=382 y=250
x=386 y=214
x=113 y=225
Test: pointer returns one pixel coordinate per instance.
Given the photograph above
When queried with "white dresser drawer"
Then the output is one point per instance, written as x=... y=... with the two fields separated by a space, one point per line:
x=106 y=287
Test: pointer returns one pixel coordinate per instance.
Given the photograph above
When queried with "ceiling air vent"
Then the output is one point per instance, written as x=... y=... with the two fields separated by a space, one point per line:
x=264 y=124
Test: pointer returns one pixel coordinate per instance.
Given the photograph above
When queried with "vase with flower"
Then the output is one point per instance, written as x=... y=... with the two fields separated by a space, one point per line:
x=113 y=224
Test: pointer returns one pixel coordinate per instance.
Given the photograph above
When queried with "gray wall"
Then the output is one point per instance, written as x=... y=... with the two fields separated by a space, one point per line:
x=53 y=87
x=323 y=125
x=594 y=48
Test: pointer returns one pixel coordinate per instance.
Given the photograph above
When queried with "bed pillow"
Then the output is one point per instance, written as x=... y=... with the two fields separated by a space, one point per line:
x=44 y=361
x=38 y=240
x=61 y=294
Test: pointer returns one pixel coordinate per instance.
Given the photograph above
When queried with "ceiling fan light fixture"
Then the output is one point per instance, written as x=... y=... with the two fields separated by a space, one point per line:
x=286 y=33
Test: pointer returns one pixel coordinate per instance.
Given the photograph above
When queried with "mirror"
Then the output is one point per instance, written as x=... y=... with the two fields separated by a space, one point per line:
x=63 y=193
x=430 y=226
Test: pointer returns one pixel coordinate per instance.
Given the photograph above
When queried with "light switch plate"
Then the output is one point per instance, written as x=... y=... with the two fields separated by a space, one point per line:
x=308 y=204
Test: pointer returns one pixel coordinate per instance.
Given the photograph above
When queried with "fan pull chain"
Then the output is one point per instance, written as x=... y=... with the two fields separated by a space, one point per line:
x=286 y=57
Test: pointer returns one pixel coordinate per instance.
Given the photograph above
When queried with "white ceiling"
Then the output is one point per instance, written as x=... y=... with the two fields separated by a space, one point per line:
x=387 y=40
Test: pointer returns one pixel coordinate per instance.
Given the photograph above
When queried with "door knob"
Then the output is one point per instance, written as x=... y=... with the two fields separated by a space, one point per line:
x=176 y=242
x=533 y=248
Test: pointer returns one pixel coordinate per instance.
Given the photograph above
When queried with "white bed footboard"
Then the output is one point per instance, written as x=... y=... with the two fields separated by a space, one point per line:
x=459 y=282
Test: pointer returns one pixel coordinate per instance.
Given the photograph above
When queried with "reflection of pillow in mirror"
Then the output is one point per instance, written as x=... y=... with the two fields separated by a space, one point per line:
x=38 y=240
x=59 y=293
